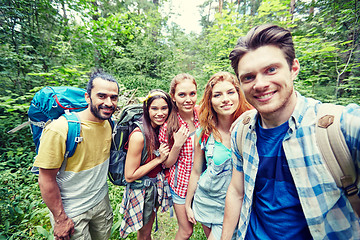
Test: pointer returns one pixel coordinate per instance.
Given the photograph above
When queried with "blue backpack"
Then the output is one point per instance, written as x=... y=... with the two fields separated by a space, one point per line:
x=52 y=102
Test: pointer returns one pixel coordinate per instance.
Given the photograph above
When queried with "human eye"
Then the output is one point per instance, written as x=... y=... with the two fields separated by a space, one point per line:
x=231 y=92
x=271 y=70
x=247 y=78
x=192 y=94
x=101 y=96
x=181 y=94
x=216 y=95
x=114 y=97
x=164 y=108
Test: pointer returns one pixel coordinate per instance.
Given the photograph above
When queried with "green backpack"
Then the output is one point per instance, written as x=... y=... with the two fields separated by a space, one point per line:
x=332 y=145
x=129 y=119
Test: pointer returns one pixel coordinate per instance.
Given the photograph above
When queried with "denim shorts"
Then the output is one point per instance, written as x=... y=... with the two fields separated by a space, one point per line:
x=216 y=230
x=176 y=198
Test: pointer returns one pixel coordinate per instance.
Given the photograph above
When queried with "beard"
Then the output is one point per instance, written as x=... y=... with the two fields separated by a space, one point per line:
x=96 y=111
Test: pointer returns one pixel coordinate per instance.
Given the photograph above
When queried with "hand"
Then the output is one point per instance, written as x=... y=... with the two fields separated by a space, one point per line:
x=64 y=229
x=164 y=152
x=190 y=215
x=181 y=136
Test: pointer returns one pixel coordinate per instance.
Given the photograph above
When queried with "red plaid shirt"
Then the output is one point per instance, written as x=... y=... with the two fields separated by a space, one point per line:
x=185 y=159
x=132 y=205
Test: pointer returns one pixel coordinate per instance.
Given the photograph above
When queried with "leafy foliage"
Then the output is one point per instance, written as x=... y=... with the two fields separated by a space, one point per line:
x=58 y=42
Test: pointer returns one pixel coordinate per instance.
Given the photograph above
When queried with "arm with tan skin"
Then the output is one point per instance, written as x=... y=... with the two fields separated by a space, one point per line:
x=233 y=203
x=50 y=192
x=133 y=168
x=180 y=138
x=196 y=171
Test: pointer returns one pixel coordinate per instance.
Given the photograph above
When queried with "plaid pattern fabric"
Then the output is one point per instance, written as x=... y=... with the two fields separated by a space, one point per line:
x=185 y=159
x=327 y=211
x=132 y=205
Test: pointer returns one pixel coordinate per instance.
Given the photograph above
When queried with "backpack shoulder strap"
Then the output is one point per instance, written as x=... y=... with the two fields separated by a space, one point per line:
x=144 y=151
x=73 y=136
x=332 y=144
x=335 y=152
x=112 y=123
x=208 y=143
x=242 y=130
x=72 y=139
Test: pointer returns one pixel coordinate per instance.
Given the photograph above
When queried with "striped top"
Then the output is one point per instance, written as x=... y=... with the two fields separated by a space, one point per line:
x=82 y=182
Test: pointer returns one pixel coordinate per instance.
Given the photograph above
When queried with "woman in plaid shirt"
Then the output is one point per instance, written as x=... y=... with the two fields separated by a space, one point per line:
x=139 y=204
x=178 y=132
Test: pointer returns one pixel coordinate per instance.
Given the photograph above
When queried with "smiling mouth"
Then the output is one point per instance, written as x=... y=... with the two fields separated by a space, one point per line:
x=108 y=110
x=265 y=96
x=227 y=106
x=160 y=119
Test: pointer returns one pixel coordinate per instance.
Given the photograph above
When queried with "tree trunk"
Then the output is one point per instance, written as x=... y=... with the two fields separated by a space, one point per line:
x=221 y=3
x=292 y=8
x=311 y=10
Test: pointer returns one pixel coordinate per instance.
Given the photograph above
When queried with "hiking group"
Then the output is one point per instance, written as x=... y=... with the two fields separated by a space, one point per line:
x=246 y=163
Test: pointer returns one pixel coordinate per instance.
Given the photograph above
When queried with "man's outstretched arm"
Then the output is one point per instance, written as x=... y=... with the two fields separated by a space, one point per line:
x=233 y=203
x=50 y=192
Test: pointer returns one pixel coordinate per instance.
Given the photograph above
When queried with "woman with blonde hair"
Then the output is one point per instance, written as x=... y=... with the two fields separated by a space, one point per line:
x=222 y=103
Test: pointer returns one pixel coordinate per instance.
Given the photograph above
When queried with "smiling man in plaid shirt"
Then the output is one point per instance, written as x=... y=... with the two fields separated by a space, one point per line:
x=281 y=188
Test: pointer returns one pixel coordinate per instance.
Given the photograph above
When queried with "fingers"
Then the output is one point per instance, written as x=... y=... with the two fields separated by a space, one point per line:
x=184 y=130
x=164 y=149
x=181 y=135
x=64 y=229
x=190 y=216
x=192 y=220
x=62 y=238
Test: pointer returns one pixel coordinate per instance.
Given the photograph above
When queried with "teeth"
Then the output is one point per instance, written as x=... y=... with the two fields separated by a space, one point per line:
x=225 y=106
x=265 y=96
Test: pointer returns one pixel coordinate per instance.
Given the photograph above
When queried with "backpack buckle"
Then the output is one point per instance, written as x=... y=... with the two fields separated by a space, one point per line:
x=156 y=153
x=147 y=182
x=351 y=190
x=349 y=185
x=78 y=139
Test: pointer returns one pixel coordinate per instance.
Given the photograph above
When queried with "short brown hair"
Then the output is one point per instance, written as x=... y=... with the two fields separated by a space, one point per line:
x=262 y=35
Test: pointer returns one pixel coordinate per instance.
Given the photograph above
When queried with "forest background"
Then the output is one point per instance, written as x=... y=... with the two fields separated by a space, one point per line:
x=58 y=42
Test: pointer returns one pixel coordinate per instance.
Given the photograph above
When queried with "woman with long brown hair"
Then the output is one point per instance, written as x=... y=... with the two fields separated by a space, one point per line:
x=178 y=132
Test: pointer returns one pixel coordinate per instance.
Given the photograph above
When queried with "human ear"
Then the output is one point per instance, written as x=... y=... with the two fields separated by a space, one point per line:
x=295 y=68
x=87 y=98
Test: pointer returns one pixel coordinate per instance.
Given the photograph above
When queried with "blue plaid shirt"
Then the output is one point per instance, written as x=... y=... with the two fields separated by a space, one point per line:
x=328 y=213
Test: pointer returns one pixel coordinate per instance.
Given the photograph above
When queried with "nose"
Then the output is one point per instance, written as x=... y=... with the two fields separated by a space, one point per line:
x=188 y=98
x=108 y=101
x=225 y=98
x=164 y=112
x=260 y=83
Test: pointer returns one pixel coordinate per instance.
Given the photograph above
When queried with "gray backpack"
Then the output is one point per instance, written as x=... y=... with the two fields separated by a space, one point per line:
x=332 y=145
